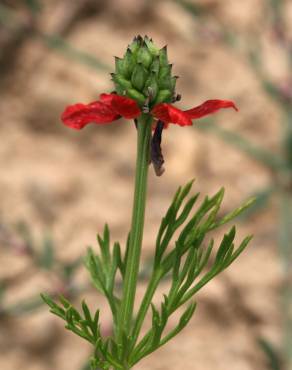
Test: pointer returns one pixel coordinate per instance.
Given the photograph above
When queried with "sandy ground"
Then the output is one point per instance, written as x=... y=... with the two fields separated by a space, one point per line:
x=70 y=183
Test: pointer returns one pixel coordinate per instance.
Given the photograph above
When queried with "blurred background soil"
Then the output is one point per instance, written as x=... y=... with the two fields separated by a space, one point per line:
x=67 y=184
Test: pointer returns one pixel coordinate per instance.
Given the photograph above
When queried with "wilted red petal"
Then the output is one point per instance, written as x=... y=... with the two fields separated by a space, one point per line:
x=126 y=107
x=209 y=107
x=78 y=115
x=167 y=113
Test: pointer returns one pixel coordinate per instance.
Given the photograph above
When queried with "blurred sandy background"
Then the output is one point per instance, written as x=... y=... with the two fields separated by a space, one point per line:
x=68 y=184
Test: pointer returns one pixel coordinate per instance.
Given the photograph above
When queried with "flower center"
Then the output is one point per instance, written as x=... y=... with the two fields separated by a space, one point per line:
x=144 y=74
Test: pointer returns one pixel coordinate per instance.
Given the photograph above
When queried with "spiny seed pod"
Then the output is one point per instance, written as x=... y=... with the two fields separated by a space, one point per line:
x=144 y=73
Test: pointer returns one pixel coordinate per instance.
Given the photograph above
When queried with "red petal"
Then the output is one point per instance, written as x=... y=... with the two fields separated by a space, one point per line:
x=167 y=113
x=78 y=115
x=126 y=107
x=209 y=107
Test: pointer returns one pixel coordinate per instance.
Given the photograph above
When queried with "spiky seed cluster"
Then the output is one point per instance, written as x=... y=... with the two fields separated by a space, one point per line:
x=144 y=73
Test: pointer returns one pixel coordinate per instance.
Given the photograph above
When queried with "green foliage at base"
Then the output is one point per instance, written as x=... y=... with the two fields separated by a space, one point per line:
x=184 y=254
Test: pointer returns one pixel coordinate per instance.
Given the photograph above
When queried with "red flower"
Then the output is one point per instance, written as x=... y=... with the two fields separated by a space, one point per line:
x=111 y=107
x=167 y=113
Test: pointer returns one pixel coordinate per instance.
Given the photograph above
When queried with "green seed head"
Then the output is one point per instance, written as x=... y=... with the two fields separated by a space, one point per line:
x=144 y=73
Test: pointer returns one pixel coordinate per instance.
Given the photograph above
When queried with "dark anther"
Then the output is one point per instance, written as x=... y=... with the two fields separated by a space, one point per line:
x=176 y=98
x=145 y=107
x=156 y=153
x=136 y=123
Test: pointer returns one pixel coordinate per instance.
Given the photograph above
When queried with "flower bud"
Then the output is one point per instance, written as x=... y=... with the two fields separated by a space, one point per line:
x=129 y=62
x=134 y=94
x=163 y=56
x=151 y=47
x=155 y=65
x=119 y=64
x=144 y=56
x=164 y=77
x=139 y=77
x=121 y=81
x=144 y=73
x=164 y=96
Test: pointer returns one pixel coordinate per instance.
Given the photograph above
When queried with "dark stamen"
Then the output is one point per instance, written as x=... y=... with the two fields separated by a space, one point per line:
x=145 y=107
x=156 y=153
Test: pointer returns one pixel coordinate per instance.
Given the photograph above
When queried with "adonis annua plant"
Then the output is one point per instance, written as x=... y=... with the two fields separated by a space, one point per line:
x=144 y=92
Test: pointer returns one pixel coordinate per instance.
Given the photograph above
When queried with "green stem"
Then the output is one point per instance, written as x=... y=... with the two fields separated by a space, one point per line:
x=156 y=277
x=136 y=234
